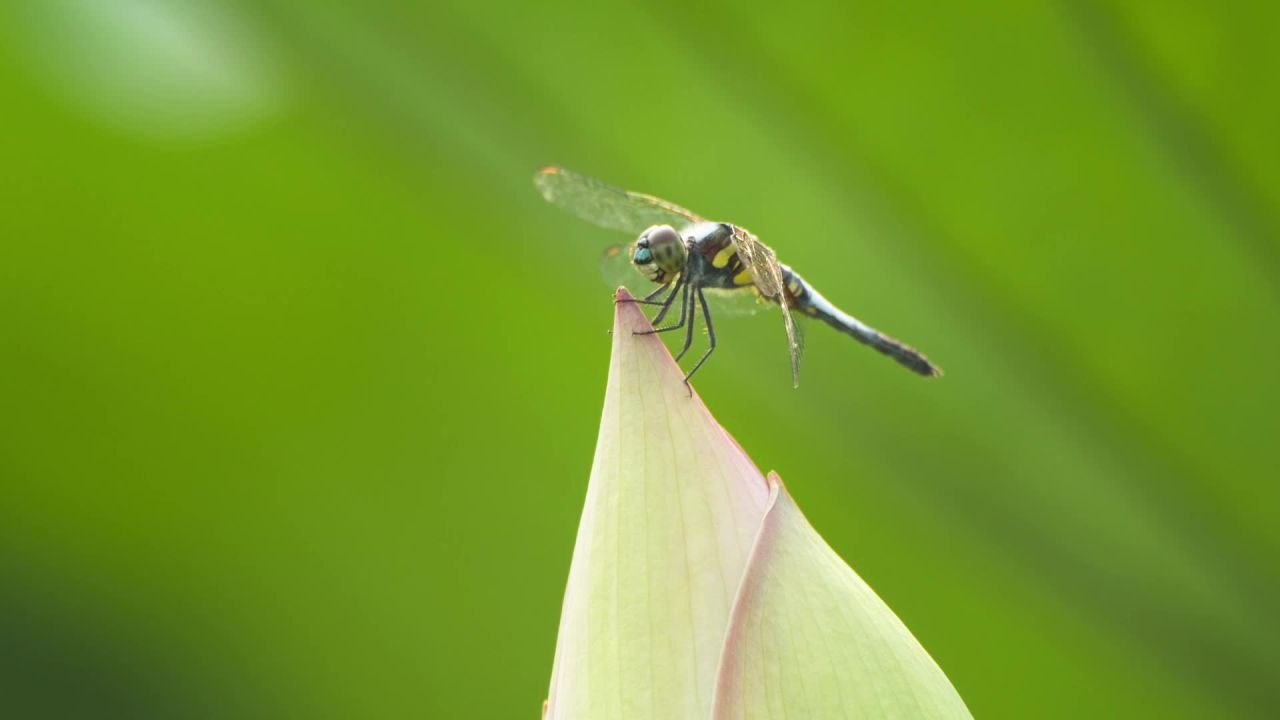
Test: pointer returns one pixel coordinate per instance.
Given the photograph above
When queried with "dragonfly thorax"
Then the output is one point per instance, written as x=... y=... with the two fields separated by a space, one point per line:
x=659 y=253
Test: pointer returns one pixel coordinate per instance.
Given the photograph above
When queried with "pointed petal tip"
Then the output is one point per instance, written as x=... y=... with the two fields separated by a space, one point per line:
x=627 y=313
x=630 y=324
x=673 y=502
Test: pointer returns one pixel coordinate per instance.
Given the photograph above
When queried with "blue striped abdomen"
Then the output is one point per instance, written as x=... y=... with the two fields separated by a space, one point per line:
x=808 y=301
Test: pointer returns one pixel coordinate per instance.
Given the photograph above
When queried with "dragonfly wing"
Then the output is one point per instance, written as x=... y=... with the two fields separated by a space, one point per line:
x=765 y=271
x=738 y=302
x=610 y=207
x=616 y=269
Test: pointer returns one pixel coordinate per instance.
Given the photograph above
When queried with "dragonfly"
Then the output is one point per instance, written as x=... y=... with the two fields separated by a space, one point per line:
x=689 y=257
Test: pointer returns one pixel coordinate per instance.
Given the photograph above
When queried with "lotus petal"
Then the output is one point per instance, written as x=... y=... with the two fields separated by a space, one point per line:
x=698 y=589
x=672 y=511
x=809 y=639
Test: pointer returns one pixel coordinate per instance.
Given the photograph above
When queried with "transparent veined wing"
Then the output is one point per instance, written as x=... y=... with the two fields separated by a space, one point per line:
x=610 y=207
x=738 y=302
x=616 y=269
x=767 y=275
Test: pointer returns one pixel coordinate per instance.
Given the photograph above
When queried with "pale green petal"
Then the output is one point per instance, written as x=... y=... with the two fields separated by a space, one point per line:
x=672 y=511
x=697 y=582
x=810 y=639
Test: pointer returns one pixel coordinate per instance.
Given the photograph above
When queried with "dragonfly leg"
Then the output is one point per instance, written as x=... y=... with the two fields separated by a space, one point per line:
x=692 y=317
x=666 y=304
x=711 y=336
x=684 y=304
x=649 y=299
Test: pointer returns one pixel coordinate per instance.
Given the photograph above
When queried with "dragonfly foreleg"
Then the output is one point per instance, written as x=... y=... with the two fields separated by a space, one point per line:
x=711 y=335
x=649 y=299
x=666 y=304
x=684 y=304
x=658 y=291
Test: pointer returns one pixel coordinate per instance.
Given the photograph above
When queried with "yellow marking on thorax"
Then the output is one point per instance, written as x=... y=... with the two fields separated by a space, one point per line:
x=743 y=279
x=723 y=257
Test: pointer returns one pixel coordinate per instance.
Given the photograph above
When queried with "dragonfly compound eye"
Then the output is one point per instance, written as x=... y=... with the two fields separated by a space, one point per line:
x=659 y=253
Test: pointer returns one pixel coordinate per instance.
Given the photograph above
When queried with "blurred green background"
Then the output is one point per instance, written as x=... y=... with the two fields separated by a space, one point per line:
x=299 y=377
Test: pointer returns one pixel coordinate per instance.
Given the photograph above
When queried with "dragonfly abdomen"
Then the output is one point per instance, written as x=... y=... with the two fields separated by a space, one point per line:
x=810 y=302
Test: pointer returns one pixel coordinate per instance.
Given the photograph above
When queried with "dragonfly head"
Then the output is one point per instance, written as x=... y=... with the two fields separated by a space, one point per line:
x=659 y=253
